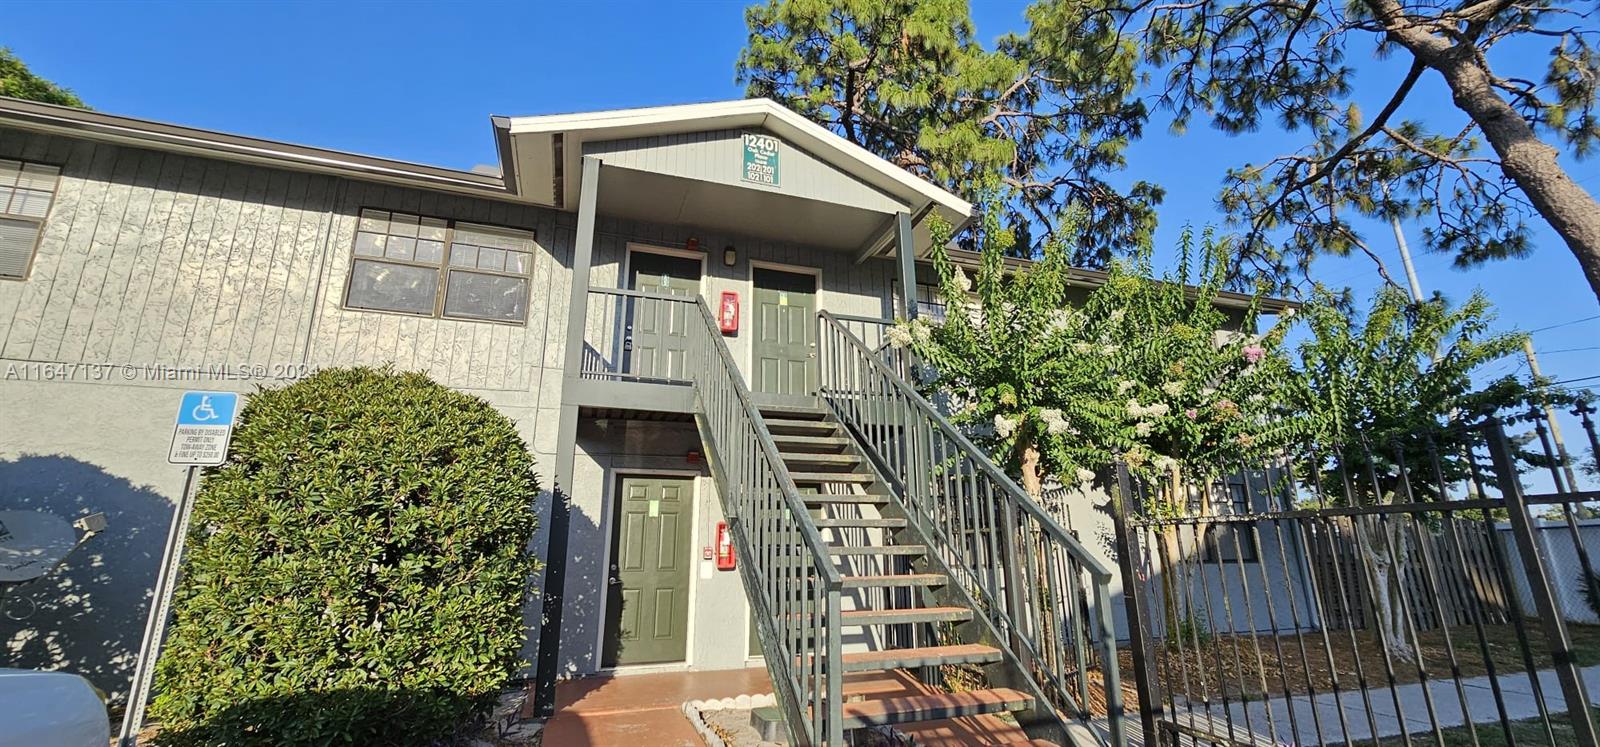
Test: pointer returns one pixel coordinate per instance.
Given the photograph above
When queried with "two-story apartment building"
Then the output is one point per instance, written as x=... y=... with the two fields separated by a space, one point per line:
x=678 y=306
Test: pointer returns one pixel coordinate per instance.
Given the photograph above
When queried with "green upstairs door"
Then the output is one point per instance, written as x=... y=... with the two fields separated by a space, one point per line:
x=647 y=610
x=785 y=332
x=659 y=330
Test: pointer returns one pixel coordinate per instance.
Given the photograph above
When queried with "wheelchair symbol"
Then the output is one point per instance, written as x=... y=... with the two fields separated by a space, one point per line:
x=203 y=411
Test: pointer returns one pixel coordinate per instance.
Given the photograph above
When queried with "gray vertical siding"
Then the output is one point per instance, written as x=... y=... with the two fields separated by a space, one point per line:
x=158 y=259
x=718 y=156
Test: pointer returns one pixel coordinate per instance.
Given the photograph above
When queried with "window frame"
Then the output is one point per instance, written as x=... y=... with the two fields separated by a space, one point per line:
x=39 y=221
x=442 y=269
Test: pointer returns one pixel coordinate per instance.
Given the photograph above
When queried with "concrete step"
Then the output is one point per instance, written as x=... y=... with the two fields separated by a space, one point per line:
x=902 y=617
x=895 y=580
x=879 y=550
x=930 y=656
x=860 y=523
x=913 y=708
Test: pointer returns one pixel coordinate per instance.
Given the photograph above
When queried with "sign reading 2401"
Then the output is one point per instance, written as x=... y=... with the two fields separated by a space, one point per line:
x=760 y=159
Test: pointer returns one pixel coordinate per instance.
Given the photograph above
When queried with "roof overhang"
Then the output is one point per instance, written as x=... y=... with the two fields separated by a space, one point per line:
x=31 y=115
x=545 y=151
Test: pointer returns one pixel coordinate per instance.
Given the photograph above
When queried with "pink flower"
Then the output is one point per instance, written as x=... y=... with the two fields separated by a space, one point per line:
x=1192 y=413
x=1254 y=353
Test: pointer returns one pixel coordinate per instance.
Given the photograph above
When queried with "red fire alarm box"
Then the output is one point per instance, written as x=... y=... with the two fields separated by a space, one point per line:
x=725 y=560
x=728 y=313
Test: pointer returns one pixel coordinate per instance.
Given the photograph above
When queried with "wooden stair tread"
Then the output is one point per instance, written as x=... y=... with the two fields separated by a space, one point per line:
x=845 y=498
x=906 y=658
x=878 y=550
x=910 y=615
x=852 y=522
x=898 y=579
x=810 y=457
x=832 y=477
x=801 y=440
x=912 y=708
x=792 y=412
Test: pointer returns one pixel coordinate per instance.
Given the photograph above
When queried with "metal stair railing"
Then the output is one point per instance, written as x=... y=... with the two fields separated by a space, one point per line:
x=783 y=561
x=1040 y=590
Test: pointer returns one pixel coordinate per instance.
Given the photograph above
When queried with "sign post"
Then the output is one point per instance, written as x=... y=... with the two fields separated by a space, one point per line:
x=199 y=439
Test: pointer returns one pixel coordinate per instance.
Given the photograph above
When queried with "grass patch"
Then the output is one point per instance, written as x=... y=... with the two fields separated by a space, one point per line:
x=1528 y=732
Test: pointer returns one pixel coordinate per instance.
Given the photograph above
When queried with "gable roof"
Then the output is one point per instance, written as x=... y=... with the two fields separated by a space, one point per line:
x=543 y=152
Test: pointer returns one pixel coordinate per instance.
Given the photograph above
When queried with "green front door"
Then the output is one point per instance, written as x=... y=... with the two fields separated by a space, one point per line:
x=647 y=609
x=658 y=331
x=785 y=332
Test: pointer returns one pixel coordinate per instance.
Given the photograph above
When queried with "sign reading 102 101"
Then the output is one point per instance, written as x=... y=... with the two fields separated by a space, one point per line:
x=760 y=159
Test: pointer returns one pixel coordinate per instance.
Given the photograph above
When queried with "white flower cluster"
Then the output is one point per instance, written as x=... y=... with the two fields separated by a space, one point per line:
x=1084 y=475
x=962 y=281
x=1054 y=423
x=1124 y=386
x=898 y=337
x=1004 y=427
x=1152 y=410
x=1164 y=463
x=1172 y=388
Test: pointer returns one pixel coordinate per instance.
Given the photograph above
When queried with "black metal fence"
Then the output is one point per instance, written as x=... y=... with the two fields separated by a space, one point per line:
x=1373 y=596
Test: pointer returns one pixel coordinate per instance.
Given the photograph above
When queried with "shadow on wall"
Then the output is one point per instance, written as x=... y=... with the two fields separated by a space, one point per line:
x=88 y=616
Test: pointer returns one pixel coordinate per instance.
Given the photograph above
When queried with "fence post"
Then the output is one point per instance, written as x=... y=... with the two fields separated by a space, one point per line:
x=1127 y=540
x=1550 y=613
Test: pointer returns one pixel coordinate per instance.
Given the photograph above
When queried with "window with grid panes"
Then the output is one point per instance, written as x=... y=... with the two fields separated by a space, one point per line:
x=26 y=190
x=431 y=267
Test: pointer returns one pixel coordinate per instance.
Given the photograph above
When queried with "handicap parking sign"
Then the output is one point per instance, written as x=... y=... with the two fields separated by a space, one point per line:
x=205 y=424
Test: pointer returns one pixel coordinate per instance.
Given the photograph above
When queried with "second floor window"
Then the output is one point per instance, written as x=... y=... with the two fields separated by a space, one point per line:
x=411 y=264
x=26 y=190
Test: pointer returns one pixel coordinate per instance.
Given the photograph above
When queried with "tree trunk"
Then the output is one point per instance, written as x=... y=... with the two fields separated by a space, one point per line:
x=1528 y=161
x=1032 y=477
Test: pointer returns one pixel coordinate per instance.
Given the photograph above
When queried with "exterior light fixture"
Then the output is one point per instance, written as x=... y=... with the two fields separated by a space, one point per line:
x=730 y=256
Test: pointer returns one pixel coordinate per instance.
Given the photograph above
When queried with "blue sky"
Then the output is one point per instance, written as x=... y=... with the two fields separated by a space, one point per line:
x=418 y=81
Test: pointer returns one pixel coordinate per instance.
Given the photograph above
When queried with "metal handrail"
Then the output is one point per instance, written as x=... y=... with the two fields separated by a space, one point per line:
x=785 y=565
x=1038 y=587
x=993 y=471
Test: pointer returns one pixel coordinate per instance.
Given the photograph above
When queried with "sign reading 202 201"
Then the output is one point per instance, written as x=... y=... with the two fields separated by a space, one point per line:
x=760 y=159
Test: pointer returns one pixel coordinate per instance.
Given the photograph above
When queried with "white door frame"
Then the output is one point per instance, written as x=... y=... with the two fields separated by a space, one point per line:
x=607 y=526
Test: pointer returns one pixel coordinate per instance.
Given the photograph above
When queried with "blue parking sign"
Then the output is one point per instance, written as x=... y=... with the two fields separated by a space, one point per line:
x=205 y=424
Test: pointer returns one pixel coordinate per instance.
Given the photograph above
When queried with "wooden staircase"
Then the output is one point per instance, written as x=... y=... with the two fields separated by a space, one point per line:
x=879 y=557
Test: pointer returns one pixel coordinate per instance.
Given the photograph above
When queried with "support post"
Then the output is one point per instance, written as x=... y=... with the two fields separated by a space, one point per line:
x=906 y=252
x=1550 y=613
x=1133 y=601
x=555 y=573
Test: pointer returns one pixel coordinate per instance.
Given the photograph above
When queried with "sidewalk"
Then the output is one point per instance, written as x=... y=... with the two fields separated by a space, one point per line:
x=1304 y=719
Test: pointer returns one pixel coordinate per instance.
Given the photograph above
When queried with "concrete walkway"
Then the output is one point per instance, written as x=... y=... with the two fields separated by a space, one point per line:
x=1317 y=720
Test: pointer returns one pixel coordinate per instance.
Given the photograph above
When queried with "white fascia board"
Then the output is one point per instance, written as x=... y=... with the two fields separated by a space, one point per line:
x=632 y=123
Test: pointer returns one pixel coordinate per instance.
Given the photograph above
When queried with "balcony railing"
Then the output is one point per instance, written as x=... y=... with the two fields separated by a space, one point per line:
x=1046 y=599
x=631 y=335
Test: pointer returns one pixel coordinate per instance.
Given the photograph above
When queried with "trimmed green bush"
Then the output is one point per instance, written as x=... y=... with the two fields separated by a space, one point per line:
x=356 y=572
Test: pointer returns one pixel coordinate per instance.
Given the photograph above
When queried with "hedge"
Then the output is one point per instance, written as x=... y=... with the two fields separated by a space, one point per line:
x=356 y=572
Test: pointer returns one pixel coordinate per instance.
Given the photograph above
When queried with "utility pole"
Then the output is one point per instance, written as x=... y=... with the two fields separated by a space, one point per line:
x=1550 y=416
x=1405 y=259
x=1527 y=350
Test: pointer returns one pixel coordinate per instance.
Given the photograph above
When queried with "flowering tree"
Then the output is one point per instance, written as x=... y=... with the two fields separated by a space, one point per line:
x=1148 y=371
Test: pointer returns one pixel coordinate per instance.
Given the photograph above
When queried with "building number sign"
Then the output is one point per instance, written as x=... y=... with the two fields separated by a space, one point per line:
x=760 y=159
